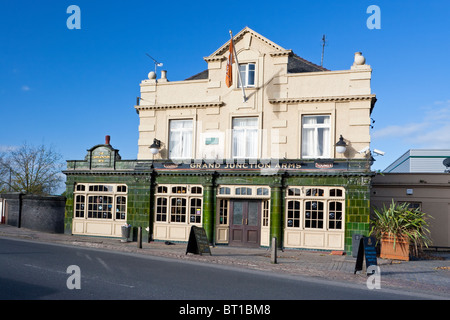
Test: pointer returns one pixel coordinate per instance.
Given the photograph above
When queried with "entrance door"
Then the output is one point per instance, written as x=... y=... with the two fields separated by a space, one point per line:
x=245 y=225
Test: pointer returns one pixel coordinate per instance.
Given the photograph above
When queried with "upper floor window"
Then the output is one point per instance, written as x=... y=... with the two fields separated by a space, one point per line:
x=247 y=73
x=180 y=139
x=245 y=137
x=316 y=136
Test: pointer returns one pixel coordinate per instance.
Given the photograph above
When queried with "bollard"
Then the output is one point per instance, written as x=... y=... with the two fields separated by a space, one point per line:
x=273 y=256
x=139 y=238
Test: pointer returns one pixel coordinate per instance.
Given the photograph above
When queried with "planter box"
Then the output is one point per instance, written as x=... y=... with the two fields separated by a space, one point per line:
x=399 y=252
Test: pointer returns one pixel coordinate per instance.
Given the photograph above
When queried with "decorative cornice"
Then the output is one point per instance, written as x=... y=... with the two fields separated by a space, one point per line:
x=110 y=172
x=180 y=105
x=224 y=48
x=323 y=99
x=281 y=53
x=216 y=58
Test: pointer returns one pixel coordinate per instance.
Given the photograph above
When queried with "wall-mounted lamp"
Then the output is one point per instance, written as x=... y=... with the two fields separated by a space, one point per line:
x=341 y=146
x=154 y=148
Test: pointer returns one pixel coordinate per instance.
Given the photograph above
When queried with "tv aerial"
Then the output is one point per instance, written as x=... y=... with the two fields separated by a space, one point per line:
x=324 y=41
x=157 y=64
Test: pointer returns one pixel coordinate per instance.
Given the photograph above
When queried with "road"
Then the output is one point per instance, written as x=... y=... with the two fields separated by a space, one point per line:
x=38 y=271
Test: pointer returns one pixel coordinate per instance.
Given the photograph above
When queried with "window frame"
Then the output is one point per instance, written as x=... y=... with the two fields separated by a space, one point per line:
x=172 y=213
x=223 y=207
x=326 y=149
x=100 y=202
x=182 y=130
x=246 y=131
x=251 y=191
x=321 y=216
x=244 y=74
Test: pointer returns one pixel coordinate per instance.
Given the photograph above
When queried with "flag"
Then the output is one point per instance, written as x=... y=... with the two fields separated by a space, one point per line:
x=229 y=75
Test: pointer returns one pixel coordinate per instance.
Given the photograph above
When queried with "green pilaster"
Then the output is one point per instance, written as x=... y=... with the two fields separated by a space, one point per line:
x=276 y=210
x=151 y=216
x=68 y=216
x=209 y=192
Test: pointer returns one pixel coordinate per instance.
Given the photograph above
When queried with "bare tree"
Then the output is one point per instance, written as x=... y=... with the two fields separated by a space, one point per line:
x=30 y=169
x=4 y=172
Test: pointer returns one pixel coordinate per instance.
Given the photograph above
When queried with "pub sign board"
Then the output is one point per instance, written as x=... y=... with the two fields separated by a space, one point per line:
x=198 y=241
x=368 y=251
x=250 y=165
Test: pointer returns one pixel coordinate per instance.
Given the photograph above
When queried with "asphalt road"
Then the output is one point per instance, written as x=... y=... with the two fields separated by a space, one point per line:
x=37 y=271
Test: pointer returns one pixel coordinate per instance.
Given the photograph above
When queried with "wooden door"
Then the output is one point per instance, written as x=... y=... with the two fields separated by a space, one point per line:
x=245 y=223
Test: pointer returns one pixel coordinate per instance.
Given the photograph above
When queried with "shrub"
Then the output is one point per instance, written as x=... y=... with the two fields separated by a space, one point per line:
x=399 y=220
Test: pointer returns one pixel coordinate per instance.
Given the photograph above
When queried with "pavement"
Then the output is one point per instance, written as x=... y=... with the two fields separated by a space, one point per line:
x=429 y=275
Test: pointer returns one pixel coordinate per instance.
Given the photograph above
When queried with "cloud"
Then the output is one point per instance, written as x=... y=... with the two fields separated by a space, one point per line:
x=435 y=138
x=431 y=132
x=25 y=88
x=400 y=131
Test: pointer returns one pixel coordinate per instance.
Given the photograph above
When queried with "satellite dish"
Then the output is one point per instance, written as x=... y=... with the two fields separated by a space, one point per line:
x=446 y=162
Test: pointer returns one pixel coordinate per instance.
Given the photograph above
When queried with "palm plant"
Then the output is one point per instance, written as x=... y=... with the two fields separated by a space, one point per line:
x=399 y=220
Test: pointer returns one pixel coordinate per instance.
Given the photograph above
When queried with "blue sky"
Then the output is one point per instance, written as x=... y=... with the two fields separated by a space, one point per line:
x=70 y=88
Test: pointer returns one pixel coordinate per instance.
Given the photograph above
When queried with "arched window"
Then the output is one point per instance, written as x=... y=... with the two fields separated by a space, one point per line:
x=314 y=214
x=335 y=193
x=335 y=213
x=294 y=191
x=293 y=214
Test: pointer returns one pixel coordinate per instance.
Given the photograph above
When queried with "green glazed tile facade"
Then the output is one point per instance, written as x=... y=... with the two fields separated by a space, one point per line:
x=141 y=178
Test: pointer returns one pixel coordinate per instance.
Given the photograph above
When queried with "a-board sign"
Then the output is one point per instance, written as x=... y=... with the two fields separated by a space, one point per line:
x=366 y=249
x=198 y=241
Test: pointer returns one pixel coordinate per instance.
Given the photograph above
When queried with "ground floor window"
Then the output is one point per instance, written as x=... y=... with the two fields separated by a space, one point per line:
x=223 y=211
x=320 y=208
x=179 y=204
x=100 y=201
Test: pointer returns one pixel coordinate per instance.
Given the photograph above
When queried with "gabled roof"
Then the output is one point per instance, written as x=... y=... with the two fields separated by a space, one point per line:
x=224 y=48
x=200 y=76
x=296 y=64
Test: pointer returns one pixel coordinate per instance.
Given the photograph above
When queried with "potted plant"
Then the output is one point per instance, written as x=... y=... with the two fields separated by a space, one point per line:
x=403 y=230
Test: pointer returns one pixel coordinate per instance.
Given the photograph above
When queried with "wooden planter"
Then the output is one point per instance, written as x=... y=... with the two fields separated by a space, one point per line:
x=399 y=252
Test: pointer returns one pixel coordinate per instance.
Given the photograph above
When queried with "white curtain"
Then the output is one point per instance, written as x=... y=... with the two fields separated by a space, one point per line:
x=316 y=137
x=245 y=137
x=180 y=139
x=243 y=75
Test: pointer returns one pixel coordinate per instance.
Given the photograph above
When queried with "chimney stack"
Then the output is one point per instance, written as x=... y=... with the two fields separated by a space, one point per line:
x=107 y=139
x=163 y=76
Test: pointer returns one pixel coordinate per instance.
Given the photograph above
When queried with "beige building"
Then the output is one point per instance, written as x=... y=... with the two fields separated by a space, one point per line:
x=258 y=159
x=288 y=99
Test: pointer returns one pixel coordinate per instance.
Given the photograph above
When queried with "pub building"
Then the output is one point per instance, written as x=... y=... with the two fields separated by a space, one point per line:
x=261 y=144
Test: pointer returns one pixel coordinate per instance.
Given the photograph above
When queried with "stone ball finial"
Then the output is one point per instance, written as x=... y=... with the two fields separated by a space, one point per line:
x=359 y=59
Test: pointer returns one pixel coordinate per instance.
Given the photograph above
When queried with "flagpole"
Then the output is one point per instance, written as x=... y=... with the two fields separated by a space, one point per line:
x=238 y=71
